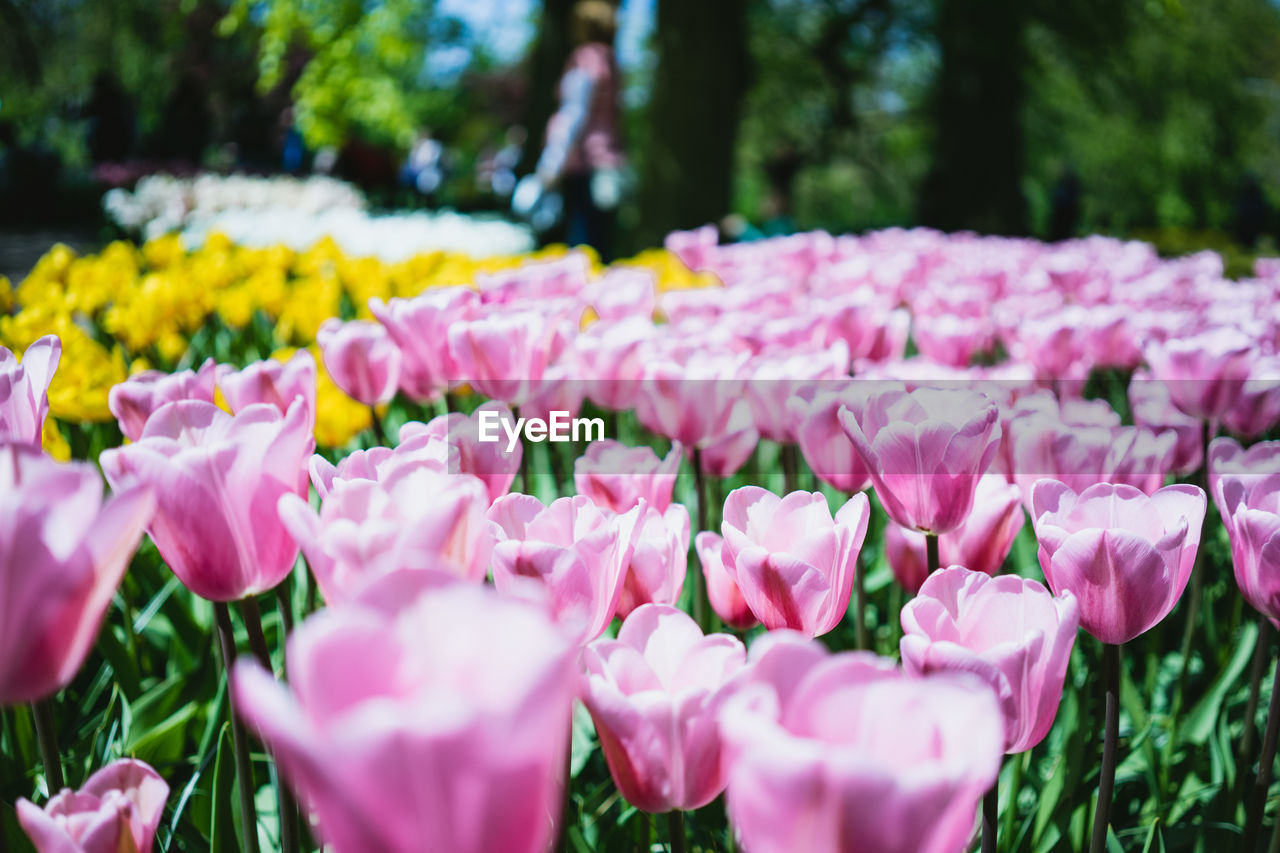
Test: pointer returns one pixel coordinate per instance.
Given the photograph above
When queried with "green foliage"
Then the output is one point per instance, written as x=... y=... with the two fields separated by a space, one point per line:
x=350 y=65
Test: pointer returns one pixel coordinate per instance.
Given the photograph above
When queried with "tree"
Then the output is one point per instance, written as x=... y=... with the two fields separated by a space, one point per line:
x=703 y=70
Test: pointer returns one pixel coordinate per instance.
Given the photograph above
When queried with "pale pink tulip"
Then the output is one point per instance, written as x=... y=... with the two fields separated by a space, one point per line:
x=504 y=355
x=823 y=442
x=1125 y=555
x=1246 y=488
x=1009 y=631
x=426 y=717
x=24 y=389
x=412 y=517
x=361 y=358
x=65 y=552
x=925 y=451
x=654 y=695
x=273 y=382
x=488 y=460
x=1205 y=372
x=217 y=480
x=617 y=477
x=419 y=327
x=118 y=809
x=981 y=542
x=792 y=561
x=722 y=590
x=579 y=552
x=417 y=449
x=1153 y=408
x=138 y=397
x=833 y=753
x=660 y=560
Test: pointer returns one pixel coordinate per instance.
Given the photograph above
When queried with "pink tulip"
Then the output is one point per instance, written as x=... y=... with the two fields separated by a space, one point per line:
x=1257 y=408
x=792 y=561
x=217 y=480
x=361 y=358
x=504 y=355
x=777 y=376
x=65 y=551
x=118 y=809
x=981 y=542
x=722 y=590
x=1153 y=408
x=273 y=382
x=660 y=560
x=654 y=694
x=724 y=454
x=416 y=449
x=1125 y=555
x=134 y=400
x=422 y=718
x=823 y=442
x=925 y=451
x=612 y=357
x=1081 y=456
x=694 y=402
x=623 y=292
x=24 y=387
x=832 y=753
x=488 y=460
x=419 y=327
x=617 y=477
x=1228 y=460
x=1009 y=631
x=1204 y=372
x=578 y=552
x=1246 y=487
x=412 y=517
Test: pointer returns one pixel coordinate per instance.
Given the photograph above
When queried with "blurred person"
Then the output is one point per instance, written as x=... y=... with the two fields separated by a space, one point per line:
x=112 y=120
x=583 y=153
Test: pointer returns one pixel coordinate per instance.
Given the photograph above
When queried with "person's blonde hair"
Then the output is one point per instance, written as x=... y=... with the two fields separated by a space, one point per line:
x=594 y=21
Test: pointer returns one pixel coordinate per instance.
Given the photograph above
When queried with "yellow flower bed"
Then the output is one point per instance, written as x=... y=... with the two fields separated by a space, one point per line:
x=132 y=307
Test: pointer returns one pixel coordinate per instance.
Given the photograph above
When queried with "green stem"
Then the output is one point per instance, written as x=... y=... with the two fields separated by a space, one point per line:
x=931 y=552
x=379 y=435
x=1256 y=670
x=990 y=813
x=860 y=601
x=790 y=454
x=699 y=583
x=1110 y=746
x=1253 y=822
x=675 y=830
x=284 y=603
x=239 y=740
x=258 y=642
x=1015 y=787
x=47 y=735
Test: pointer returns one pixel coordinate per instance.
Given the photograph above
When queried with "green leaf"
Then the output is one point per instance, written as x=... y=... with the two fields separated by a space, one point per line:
x=1198 y=725
x=222 y=826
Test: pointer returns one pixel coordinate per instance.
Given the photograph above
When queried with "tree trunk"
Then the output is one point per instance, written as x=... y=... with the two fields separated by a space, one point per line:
x=975 y=179
x=546 y=65
x=696 y=101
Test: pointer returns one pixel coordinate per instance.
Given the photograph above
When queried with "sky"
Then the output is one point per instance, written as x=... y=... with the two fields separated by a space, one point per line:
x=506 y=27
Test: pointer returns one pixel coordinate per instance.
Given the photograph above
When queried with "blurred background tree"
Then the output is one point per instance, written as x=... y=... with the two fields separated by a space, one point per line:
x=1010 y=116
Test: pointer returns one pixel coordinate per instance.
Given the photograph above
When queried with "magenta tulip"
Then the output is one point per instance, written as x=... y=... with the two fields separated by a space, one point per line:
x=361 y=358
x=792 y=561
x=273 y=382
x=217 y=480
x=1125 y=555
x=578 y=552
x=1153 y=408
x=24 y=389
x=65 y=552
x=833 y=753
x=654 y=695
x=925 y=451
x=722 y=590
x=1009 y=631
x=981 y=542
x=138 y=397
x=118 y=809
x=488 y=460
x=617 y=477
x=423 y=718
x=419 y=327
x=1227 y=459
x=412 y=517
